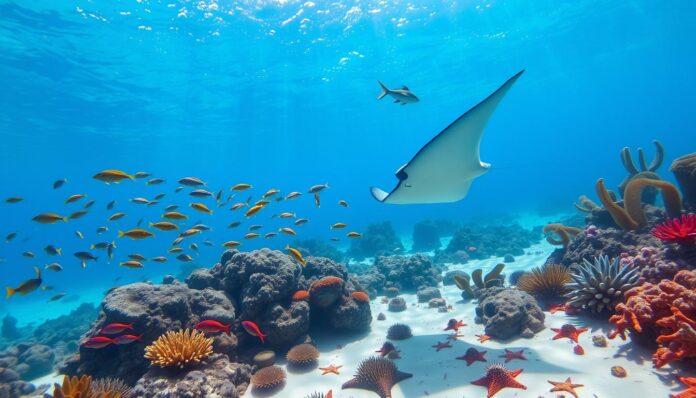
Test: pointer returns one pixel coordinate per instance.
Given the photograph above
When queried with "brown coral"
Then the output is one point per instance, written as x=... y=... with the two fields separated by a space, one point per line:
x=180 y=348
x=302 y=354
x=562 y=231
x=634 y=207
x=361 y=296
x=268 y=378
x=617 y=213
x=378 y=375
x=547 y=282
x=73 y=387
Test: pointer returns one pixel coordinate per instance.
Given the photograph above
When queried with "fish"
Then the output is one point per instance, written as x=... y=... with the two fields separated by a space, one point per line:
x=270 y=235
x=79 y=234
x=57 y=297
x=234 y=224
x=139 y=223
x=317 y=201
x=10 y=236
x=318 y=188
x=177 y=240
x=287 y=230
x=141 y=174
x=218 y=196
x=287 y=215
x=164 y=225
x=171 y=208
x=178 y=189
x=189 y=232
x=99 y=245
x=174 y=215
x=270 y=193
x=253 y=329
x=353 y=235
x=59 y=183
x=401 y=95
x=88 y=204
x=343 y=203
x=14 y=199
x=191 y=182
x=115 y=176
x=175 y=250
x=47 y=288
x=154 y=181
x=116 y=328
x=230 y=244
x=212 y=326
x=54 y=267
x=241 y=187
x=102 y=229
x=444 y=168
x=193 y=246
x=52 y=250
x=338 y=225
x=201 y=227
x=131 y=264
x=238 y=205
x=28 y=254
x=140 y=201
x=136 y=234
x=98 y=342
x=159 y=259
x=27 y=286
x=295 y=254
x=301 y=221
x=77 y=214
x=110 y=205
x=160 y=196
x=153 y=202
x=208 y=243
x=201 y=207
x=261 y=202
x=292 y=195
x=255 y=227
x=127 y=338
x=116 y=216
x=85 y=256
x=49 y=218
x=253 y=210
x=184 y=257
x=110 y=250
x=251 y=235
x=201 y=193
x=137 y=257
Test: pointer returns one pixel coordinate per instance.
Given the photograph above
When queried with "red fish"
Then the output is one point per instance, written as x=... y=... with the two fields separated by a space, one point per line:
x=211 y=326
x=98 y=342
x=115 y=328
x=253 y=329
x=471 y=249
x=127 y=338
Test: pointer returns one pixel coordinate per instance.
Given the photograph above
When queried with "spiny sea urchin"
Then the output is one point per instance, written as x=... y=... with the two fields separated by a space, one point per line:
x=111 y=388
x=268 y=378
x=399 y=331
x=302 y=354
x=378 y=375
x=600 y=286
x=545 y=283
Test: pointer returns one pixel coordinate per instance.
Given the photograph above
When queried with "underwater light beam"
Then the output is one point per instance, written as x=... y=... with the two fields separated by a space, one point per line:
x=443 y=170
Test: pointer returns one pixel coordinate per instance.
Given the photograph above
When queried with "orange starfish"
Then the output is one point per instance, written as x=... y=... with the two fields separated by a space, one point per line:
x=566 y=386
x=554 y=308
x=454 y=324
x=330 y=369
x=568 y=331
x=482 y=338
x=498 y=377
x=510 y=355
x=690 y=392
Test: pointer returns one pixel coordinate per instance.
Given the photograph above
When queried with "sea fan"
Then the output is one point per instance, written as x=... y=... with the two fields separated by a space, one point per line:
x=600 y=286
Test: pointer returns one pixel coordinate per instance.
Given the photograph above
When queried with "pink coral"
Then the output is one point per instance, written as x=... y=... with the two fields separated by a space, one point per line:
x=653 y=263
x=667 y=309
x=677 y=230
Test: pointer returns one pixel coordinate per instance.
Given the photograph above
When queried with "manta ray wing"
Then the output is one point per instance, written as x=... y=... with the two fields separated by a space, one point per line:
x=443 y=170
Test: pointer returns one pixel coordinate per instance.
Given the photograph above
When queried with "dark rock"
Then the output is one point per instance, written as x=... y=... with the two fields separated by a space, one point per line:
x=350 y=315
x=397 y=304
x=449 y=277
x=684 y=170
x=508 y=312
x=9 y=328
x=168 y=280
x=285 y=324
x=379 y=238
x=37 y=361
x=496 y=240
x=407 y=272
x=509 y=258
x=426 y=236
x=426 y=294
x=201 y=278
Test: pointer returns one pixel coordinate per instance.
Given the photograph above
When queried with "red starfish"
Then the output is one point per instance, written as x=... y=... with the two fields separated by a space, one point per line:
x=510 y=355
x=454 y=324
x=330 y=369
x=454 y=336
x=498 y=377
x=440 y=346
x=554 y=308
x=568 y=331
x=472 y=355
x=482 y=338
x=690 y=392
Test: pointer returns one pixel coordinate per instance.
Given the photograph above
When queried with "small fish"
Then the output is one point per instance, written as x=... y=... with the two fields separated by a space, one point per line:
x=471 y=249
x=251 y=235
x=110 y=250
x=292 y=195
x=208 y=243
x=240 y=187
x=164 y=226
x=139 y=223
x=343 y=203
x=74 y=198
x=193 y=246
x=54 y=267
x=231 y=244
x=116 y=216
x=52 y=250
x=110 y=205
x=101 y=230
x=116 y=328
x=301 y=221
x=338 y=225
x=49 y=218
x=255 y=227
x=85 y=256
x=115 y=176
x=137 y=257
x=57 y=297
x=159 y=259
x=136 y=234
x=295 y=254
x=201 y=227
x=177 y=241
x=401 y=95
x=14 y=199
x=28 y=254
x=171 y=208
x=253 y=329
x=253 y=210
x=152 y=203
x=154 y=181
x=234 y=224
x=98 y=342
x=201 y=207
x=184 y=257
x=47 y=288
x=59 y=183
x=270 y=235
x=287 y=230
x=175 y=250
x=79 y=234
x=127 y=338
x=99 y=245
x=287 y=215
x=77 y=214
x=141 y=174
x=218 y=196
x=10 y=236
x=238 y=205
x=131 y=264
x=353 y=235
x=261 y=202
x=318 y=188
x=189 y=232
x=317 y=201
x=212 y=326
x=174 y=215
x=160 y=196
x=191 y=182
x=140 y=201
x=201 y=193
x=270 y=193
x=27 y=286
x=178 y=189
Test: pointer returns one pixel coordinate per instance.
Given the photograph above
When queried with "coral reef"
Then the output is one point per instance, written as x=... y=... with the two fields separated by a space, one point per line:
x=600 y=285
x=9 y=329
x=426 y=236
x=547 y=283
x=645 y=171
x=684 y=170
x=378 y=239
x=179 y=349
x=487 y=241
x=350 y=315
x=507 y=312
x=378 y=375
x=10 y=384
x=408 y=273
x=318 y=248
x=632 y=215
x=563 y=232
x=324 y=292
x=399 y=331
x=111 y=388
x=492 y=279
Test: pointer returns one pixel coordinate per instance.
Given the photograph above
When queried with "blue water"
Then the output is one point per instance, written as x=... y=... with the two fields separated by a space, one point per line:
x=281 y=94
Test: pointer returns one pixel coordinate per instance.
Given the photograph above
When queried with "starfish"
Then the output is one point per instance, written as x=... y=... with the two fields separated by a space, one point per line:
x=441 y=346
x=566 y=386
x=482 y=338
x=690 y=392
x=554 y=308
x=498 y=377
x=472 y=355
x=454 y=324
x=568 y=331
x=330 y=369
x=454 y=336
x=510 y=355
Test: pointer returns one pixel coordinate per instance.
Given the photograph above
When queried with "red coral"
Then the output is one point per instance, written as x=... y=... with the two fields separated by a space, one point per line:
x=681 y=231
x=361 y=296
x=668 y=310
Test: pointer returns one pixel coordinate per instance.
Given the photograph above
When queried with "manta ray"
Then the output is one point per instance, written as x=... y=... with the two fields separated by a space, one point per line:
x=443 y=169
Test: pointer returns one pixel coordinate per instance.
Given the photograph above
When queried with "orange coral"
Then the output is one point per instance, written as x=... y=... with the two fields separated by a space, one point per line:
x=326 y=282
x=361 y=296
x=668 y=310
x=300 y=295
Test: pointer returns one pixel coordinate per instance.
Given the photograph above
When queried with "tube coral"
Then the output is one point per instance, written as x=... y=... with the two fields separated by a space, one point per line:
x=562 y=231
x=617 y=213
x=634 y=207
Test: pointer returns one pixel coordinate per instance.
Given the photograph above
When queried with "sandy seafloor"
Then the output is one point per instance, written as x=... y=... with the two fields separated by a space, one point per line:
x=439 y=374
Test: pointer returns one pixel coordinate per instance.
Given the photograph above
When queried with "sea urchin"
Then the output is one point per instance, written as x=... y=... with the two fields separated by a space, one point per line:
x=378 y=375
x=546 y=283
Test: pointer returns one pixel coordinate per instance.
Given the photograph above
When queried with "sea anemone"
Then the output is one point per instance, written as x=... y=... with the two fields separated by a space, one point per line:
x=378 y=375
x=73 y=387
x=600 y=286
x=302 y=354
x=300 y=295
x=180 y=348
x=399 y=331
x=546 y=283
x=361 y=297
x=111 y=388
x=268 y=378
x=677 y=230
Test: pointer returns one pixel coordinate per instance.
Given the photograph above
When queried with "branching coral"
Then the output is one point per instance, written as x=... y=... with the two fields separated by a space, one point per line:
x=562 y=231
x=618 y=213
x=492 y=278
x=547 y=282
x=677 y=230
x=180 y=348
x=644 y=171
x=586 y=205
x=667 y=310
x=600 y=286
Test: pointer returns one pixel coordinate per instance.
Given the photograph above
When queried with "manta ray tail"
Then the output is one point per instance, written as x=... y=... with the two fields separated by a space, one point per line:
x=384 y=92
